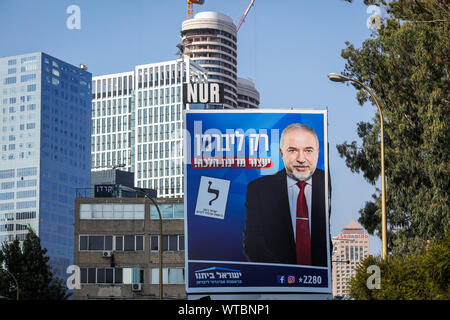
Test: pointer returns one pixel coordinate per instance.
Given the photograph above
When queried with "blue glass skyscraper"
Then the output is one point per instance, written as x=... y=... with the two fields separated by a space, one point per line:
x=45 y=132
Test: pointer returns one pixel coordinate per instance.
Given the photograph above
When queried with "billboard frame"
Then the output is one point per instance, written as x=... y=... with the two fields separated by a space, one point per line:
x=320 y=293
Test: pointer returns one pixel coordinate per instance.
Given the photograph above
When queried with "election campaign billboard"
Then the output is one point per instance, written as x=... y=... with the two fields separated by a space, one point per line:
x=256 y=201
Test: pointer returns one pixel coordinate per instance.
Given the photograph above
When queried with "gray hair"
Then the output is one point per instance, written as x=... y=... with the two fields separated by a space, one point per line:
x=297 y=126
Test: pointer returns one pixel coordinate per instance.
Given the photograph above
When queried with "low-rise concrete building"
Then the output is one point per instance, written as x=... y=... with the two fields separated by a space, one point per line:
x=117 y=248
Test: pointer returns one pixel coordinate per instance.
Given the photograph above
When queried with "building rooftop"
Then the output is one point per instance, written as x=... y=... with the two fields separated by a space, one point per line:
x=213 y=15
x=353 y=227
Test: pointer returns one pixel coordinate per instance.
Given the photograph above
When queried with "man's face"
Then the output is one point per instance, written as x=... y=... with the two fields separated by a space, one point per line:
x=299 y=153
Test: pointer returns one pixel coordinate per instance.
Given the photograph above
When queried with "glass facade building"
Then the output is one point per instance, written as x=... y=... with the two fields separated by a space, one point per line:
x=137 y=123
x=45 y=143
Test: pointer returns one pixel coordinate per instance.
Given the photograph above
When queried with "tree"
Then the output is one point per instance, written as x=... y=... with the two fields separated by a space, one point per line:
x=422 y=276
x=406 y=64
x=28 y=263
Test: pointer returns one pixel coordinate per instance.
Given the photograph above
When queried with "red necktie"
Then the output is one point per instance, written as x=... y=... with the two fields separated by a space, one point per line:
x=303 y=238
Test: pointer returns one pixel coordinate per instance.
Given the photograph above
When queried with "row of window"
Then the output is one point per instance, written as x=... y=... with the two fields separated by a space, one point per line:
x=22 y=108
x=108 y=159
x=166 y=113
x=25 y=68
x=103 y=86
x=130 y=211
x=120 y=123
x=18 y=205
x=12 y=146
x=112 y=243
x=20 y=184
x=161 y=132
x=146 y=77
x=110 y=124
x=28 y=59
x=130 y=276
x=129 y=243
x=19 y=155
x=23 y=78
x=163 y=190
x=109 y=142
x=19 y=194
x=22 y=172
x=206 y=32
x=10 y=227
x=151 y=169
x=152 y=97
x=110 y=107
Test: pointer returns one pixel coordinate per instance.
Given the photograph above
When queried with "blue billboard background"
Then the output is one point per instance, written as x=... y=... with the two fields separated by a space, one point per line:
x=220 y=240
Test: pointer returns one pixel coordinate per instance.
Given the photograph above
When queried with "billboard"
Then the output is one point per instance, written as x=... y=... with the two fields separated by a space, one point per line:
x=256 y=210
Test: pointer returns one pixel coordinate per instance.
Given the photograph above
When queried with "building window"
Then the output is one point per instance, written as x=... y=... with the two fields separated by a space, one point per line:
x=112 y=211
x=169 y=243
x=25 y=172
x=7 y=185
x=101 y=275
x=105 y=243
x=129 y=243
x=168 y=211
x=5 y=174
x=26 y=194
x=28 y=77
x=9 y=80
x=170 y=276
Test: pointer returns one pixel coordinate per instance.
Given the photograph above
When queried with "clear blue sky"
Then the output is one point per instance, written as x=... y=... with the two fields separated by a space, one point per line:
x=287 y=47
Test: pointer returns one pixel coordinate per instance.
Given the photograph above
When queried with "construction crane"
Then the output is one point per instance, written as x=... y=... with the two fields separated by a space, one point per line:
x=245 y=14
x=190 y=6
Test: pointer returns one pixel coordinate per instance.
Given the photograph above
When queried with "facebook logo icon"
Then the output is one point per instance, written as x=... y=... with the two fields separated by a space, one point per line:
x=281 y=279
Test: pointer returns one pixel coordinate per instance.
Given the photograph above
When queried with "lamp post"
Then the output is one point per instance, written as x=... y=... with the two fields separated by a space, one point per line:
x=15 y=280
x=125 y=188
x=336 y=77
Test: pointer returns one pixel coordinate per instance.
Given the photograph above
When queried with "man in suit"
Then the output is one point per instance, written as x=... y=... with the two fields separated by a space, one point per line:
x=285 y=212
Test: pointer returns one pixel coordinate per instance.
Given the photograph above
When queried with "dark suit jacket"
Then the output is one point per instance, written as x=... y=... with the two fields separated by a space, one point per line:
x=268 y=232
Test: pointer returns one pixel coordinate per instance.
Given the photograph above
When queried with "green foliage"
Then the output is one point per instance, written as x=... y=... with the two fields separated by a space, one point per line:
x=406 y=64
x=29 y=266
x=424 y=276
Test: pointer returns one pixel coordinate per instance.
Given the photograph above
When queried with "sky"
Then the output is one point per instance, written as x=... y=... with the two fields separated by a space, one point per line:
x=286 y=47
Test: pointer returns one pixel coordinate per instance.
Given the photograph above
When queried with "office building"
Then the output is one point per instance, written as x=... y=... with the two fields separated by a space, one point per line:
x=117 y=248
x=137 y=123
x=349 y=248
x=44 y=156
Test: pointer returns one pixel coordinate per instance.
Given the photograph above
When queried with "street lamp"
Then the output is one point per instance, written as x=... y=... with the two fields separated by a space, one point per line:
x=125 y=188
x=15 y=280
x=336 y=77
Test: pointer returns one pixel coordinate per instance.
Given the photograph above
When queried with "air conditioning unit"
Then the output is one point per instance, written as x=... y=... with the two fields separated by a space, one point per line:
x=107 y=254
x=136 y=287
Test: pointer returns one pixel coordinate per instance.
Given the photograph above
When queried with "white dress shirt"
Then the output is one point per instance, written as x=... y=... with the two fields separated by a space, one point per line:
x=293 y=192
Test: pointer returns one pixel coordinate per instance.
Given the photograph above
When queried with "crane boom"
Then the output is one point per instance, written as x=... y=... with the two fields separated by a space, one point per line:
x=245 y=15
x=190 y=6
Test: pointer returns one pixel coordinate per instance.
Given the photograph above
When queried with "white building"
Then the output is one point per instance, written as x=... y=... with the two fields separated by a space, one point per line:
x=137 y=121
x=210 y=40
